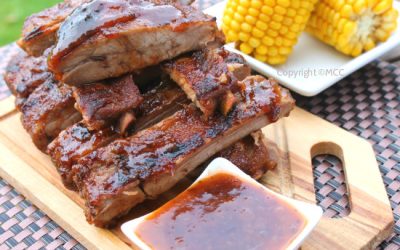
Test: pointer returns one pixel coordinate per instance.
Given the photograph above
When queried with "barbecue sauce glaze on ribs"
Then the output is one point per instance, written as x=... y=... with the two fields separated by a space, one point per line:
x=40 y=29
x=24 y=74
x=101 y=103
x=48 y=111
x=209 y=78
x=78 y=140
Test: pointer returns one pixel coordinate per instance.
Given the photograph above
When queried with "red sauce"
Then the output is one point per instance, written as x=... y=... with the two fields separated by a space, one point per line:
x=222 y=212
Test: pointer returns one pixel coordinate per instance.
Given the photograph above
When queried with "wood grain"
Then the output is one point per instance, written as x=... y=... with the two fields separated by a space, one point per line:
x=7 y=106
x=294 y=140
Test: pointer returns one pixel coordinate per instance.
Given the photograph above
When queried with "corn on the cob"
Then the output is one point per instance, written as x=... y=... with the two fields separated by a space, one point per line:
x=266 y=29
x=353 y=26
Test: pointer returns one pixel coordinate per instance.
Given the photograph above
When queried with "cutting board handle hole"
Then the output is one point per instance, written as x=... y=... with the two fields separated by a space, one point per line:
x=330 y=185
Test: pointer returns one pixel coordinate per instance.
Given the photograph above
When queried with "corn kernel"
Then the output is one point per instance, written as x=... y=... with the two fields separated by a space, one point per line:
x=250 y=19
x=262 y=50
x=235 y=25
x=261 y=58
x=256 y=4
x=270 y=2
x=261 y=25
x=382 y=6
x=254 y=42
x=268 y=41
x=246 y=27
x=275 y=25
x=280 y=10
x=253 y=12
x=267 y=10
x=257 y=33
x=246 y=48
x=244 y=37
x=284 y=3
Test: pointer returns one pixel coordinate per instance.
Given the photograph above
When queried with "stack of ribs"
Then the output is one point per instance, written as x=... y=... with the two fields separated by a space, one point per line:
x=129 y=96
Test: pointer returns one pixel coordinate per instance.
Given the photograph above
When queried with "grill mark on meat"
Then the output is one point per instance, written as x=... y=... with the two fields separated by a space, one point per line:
x=74 y=143
x=103 y=102
x=24 y=74
x=39 y=31
x=48 y=111
x=156 y=158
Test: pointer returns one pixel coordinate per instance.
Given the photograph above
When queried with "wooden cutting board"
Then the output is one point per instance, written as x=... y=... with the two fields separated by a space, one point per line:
x=296 y=140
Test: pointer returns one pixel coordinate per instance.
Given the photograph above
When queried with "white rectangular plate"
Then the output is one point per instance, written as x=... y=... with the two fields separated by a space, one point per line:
x=313 y=66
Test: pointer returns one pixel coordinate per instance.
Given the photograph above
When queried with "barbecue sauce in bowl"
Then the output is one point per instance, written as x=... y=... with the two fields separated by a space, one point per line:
x=222 y=212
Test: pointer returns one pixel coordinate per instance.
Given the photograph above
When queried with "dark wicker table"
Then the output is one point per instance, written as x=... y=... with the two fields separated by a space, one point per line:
x=367 y=103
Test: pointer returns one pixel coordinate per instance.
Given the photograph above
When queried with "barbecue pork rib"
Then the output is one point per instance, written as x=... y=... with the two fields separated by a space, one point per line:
x=158 y=103
x=40 y=29
x=109 y=38
x=115 y=178
x=77 y=141
x=250 y=154
x=24 y=74
x=209 y=78
x=103 y=102
x=48 y=111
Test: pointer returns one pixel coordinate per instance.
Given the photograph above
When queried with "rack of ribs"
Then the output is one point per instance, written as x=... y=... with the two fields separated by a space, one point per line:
x=162 y=101
x=24 y=74
x=209 y=78
x=109 y=38
x=40 y=29
x=102 y=102
x=78 y=140
x=48 y=111
x=115 y=178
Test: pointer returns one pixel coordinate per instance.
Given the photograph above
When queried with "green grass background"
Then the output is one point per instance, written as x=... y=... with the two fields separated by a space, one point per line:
x=13 y=14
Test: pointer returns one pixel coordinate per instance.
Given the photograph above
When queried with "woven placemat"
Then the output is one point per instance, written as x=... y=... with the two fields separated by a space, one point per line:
x=367 y=103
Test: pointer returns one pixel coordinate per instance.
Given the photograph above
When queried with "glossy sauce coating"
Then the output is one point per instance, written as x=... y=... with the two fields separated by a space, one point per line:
x=102 y=102
x=24 y=74
x=222 y=212
x=207 y=76
x=94 y=16
x=74 y=143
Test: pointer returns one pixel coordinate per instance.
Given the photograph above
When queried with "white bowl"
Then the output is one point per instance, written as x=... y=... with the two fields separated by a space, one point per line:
x=312 y=213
